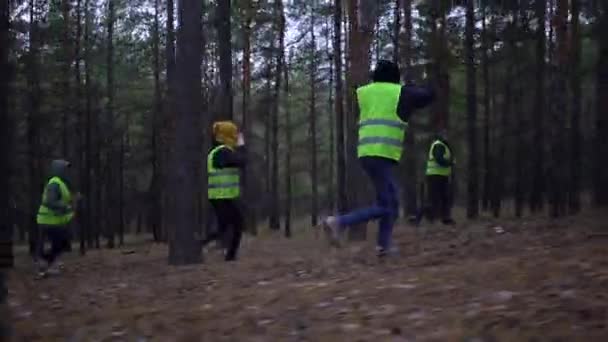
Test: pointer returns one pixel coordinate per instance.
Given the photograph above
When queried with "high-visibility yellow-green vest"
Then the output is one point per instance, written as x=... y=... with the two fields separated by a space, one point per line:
x=432 y=167
x=223 y=183
x=381 y=131
x=46 y=216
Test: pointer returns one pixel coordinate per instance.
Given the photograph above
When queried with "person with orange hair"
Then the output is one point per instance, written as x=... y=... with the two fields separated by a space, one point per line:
x=225 y=163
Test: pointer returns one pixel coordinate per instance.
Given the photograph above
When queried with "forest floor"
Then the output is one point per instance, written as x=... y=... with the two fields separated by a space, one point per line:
x=527 y=280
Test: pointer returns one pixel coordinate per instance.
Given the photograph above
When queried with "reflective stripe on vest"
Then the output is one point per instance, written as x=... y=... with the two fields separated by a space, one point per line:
x=432 y=167
x=222 y=183
x=381 y=131
x=46 y=216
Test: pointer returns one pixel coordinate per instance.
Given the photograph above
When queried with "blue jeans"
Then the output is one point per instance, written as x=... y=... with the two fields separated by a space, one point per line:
x=380 y=170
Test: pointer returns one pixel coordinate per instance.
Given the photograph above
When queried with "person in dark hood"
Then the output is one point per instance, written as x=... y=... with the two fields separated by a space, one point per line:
x=54 y=216
x=225 y=162
x=385 y=107
x=438 y=173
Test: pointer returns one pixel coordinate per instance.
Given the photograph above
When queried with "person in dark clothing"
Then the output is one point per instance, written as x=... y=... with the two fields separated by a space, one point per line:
x=225 y=162
x=438 y=173
x=385 y=109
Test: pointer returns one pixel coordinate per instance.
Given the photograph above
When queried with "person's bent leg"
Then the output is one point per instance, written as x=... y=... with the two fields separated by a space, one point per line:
x=435 y=193
x=237 y=231
x=223 y=220
x=387 y=199
x=373 y=167
x=446 y=204
x=58 y=237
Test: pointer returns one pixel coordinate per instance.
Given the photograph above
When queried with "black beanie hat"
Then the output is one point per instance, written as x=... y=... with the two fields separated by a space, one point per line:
x=386 y=71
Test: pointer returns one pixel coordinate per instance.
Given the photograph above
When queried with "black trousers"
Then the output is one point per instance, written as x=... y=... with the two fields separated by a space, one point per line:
x=229 y=221
x=58 y=236
x=439 y=198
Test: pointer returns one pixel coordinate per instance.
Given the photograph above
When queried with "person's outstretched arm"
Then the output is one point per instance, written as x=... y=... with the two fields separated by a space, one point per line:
x=225 y=158
x=412 y=98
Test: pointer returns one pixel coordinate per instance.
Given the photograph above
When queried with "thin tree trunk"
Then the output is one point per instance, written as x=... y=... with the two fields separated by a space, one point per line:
x=361 y=33
x=92 y=224
x=247 y=186
x=183 y=247
x=538 y=172
x=472 y=180
x=330 y=192
x=503 y=158
x=410 y=176
x=487 y=91
x=156 y=189
x=6 y=129
x=84 y=219
x=169 y=128
x=396 y=29
x=560 y=102
x=65 y=78
x=225 y=58
x=274 y=221
x=520 y=123
x=339 y=108
x=601 y=122
x=313 y=119
x=574 y=196
x=288 y=142
x=121 y=190
x=111 y=152
x=35 y=94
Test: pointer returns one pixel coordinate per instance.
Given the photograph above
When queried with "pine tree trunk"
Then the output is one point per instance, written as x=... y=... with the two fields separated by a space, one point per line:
x=274 y=221
x=111 y=161
x=331 y=189
x=601 y=122
x=169 y=125
x=65 y=78
x=312 y=133
x=156 y=188
x=288 y=143
x=472 y=199
x=34 y=94
x=560 y=93
x=5 y=172
x=339 y=108
x=396 y=29
x=247 y=186
x=183 y=247
x=92 y=224
x=574 y=196
x=362 y=22
x=410 y=176
x=520 y=123
x=121 y=191
x=487 y=91
x=84 y=214
x=503 y=158
x=225 y=58
x=538 y=171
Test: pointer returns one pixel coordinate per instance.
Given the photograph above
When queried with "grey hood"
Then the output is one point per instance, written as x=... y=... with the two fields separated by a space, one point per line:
x=59 y=168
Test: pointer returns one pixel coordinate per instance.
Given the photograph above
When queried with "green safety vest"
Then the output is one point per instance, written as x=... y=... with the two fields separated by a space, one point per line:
x=222 y=183
x=381 y=131
x=434 y=169
x=46 y=216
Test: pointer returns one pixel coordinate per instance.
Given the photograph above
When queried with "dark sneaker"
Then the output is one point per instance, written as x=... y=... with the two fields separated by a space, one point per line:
x=448 y=222
x=382 y=252
x=418 y=218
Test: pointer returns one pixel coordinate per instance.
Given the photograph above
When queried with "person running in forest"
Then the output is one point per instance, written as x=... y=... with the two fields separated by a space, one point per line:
x=385 y=107
x=54 y=217
x=438 y=172
x=225 y=162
